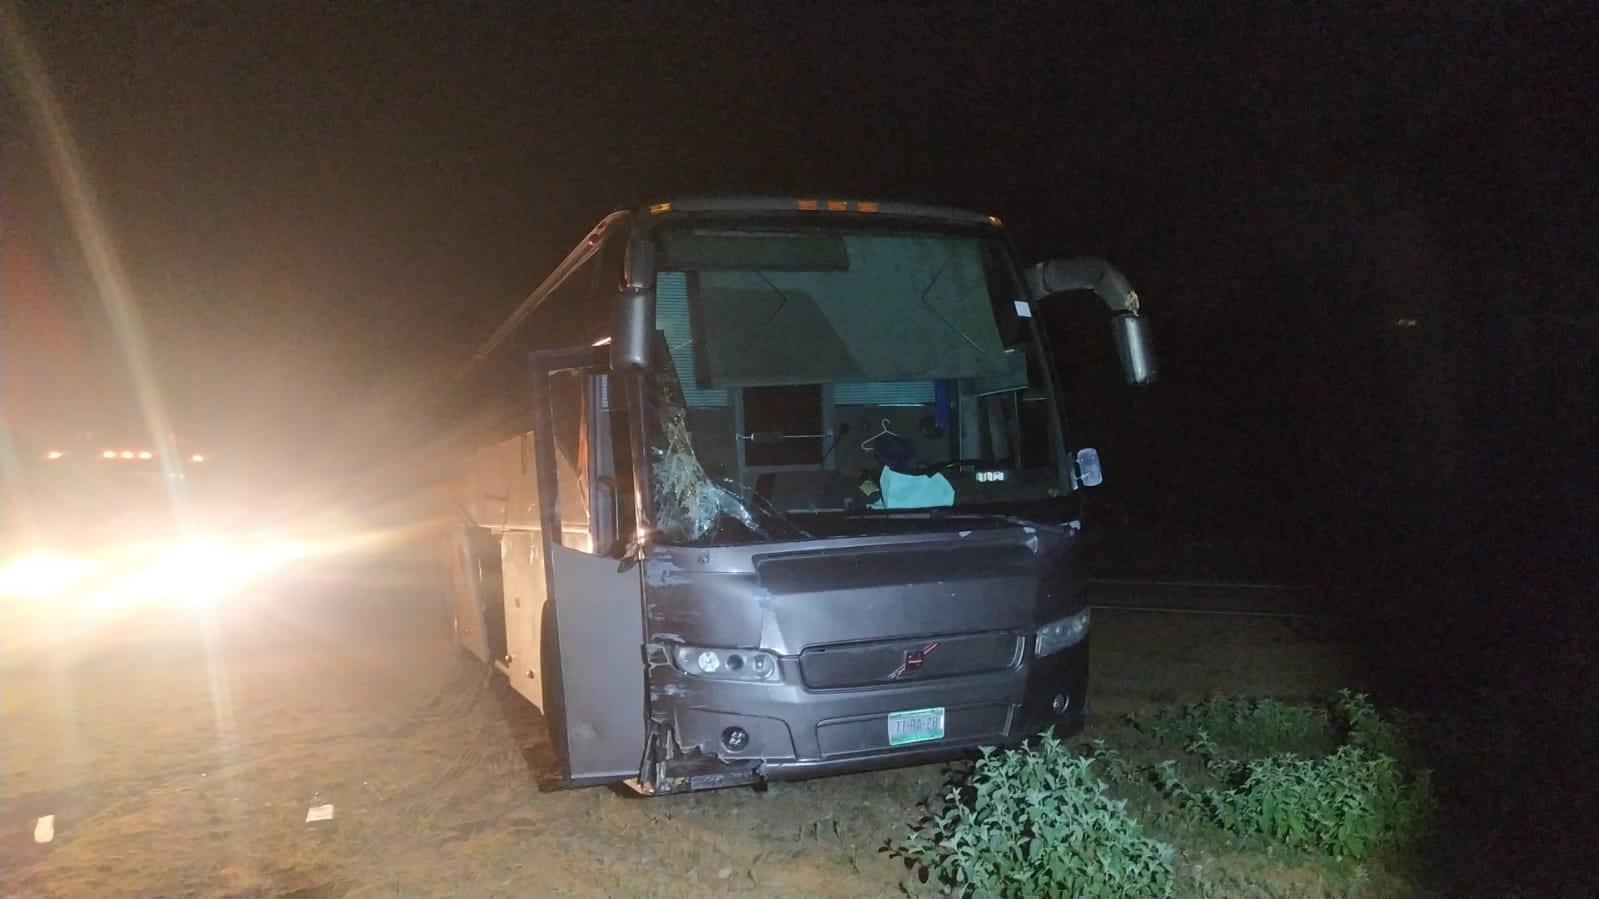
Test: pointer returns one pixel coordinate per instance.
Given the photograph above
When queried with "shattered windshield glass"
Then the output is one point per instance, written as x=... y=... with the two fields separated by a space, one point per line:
x=806 y=371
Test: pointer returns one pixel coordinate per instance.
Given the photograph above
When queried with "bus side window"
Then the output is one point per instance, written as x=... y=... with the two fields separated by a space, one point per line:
x=571 y=451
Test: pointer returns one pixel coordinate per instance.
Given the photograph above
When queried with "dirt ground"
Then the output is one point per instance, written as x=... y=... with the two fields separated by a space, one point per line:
x=181 y=758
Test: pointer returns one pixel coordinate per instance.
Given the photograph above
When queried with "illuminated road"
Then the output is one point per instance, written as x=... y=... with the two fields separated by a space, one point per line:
x=179 y=754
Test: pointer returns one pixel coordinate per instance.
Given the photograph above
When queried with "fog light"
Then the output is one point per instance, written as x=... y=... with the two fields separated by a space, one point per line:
x=761 y=664
x=1060 y=704
x=735 y=738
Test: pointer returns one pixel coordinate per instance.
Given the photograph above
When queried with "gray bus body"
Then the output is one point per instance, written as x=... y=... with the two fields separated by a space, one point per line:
x=768 y=488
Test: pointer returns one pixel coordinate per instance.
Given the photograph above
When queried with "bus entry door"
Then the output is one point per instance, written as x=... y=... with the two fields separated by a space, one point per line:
x=592 y=630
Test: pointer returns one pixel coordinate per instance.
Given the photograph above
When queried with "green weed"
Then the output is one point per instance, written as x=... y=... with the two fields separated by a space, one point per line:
x=1245 y=724
x=1304 y=791
x=1345 y=803
x=1036 y=821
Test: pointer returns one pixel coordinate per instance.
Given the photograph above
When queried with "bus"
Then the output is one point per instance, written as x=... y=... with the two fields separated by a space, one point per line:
x=758 y=489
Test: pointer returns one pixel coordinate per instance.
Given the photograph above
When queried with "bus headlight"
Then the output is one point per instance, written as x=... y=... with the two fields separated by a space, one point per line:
x=1060 y=634
x=727 y=664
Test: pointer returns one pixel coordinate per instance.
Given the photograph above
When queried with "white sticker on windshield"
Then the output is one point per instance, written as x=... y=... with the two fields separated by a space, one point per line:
x=1024 y=309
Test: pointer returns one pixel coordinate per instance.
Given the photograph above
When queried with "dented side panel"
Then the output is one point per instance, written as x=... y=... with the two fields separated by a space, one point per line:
x=594 y=688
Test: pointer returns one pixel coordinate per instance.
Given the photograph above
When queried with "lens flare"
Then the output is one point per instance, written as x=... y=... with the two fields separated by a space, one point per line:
x=42 y=576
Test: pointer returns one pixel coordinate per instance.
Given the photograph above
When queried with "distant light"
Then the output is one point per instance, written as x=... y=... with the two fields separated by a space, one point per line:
x=990 y=477
x=54 y=454
x=1406 y=323
x=995 y=221
x=837 y=206
x=866 y=206
x=603 y=341
x=196 y=458
x=109 y=454
x=659 y=208
x=127 y=454
x=807 y=205
x=146 y=454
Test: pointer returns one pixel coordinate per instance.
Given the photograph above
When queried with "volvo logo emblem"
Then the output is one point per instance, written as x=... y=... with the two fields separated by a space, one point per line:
x=913 y=661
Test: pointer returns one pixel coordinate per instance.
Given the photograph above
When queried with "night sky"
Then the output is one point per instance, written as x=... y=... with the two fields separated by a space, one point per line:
x=323 y=207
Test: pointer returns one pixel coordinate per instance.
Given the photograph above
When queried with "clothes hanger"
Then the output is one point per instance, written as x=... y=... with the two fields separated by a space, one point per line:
x=885 y=432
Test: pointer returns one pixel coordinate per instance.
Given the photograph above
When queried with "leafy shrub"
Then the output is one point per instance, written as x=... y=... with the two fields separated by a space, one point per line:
x=1262 y=725
x=1365 y=728
x=1036 y=821
x=1346 y=803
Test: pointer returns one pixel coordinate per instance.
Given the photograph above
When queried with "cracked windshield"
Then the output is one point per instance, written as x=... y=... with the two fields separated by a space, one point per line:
x=812 y=373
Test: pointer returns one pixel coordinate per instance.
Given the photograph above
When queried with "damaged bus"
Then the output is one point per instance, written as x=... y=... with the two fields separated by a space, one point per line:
x=760 y=489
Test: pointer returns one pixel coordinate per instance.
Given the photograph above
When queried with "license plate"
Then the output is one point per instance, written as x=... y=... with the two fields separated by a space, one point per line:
x=915 y=726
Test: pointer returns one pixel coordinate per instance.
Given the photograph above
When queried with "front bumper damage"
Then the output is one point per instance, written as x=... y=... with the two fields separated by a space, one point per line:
x=791 y=732
x=860 y=629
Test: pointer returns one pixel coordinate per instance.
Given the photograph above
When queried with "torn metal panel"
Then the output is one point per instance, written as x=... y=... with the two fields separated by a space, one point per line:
x=594 y=691
x=845 y=618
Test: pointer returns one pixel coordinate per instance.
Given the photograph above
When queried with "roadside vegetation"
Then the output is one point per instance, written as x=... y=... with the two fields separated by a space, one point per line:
x=1231 y=796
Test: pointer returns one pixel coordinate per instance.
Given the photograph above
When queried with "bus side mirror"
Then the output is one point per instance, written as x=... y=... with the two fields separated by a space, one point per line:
x=1135 y=348
x=635 y=325
x=1128 y=329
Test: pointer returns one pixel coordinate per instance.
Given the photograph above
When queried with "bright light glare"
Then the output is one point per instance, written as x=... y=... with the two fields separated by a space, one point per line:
x=54 y=454
x=194 y=571
x=42 y=576
x=199 y=571
x=196 y=458
x=109 y=454
x=145 y=454
x=127 y=454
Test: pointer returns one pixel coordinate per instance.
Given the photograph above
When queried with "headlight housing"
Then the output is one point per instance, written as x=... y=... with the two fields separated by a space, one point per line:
x=1060 y=634
x=727 y=664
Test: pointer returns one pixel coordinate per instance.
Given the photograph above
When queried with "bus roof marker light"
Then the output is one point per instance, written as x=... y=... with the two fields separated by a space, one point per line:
x=807 y=205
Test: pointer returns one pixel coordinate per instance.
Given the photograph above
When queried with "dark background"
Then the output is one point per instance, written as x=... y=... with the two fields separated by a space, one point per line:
x=322 y=208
